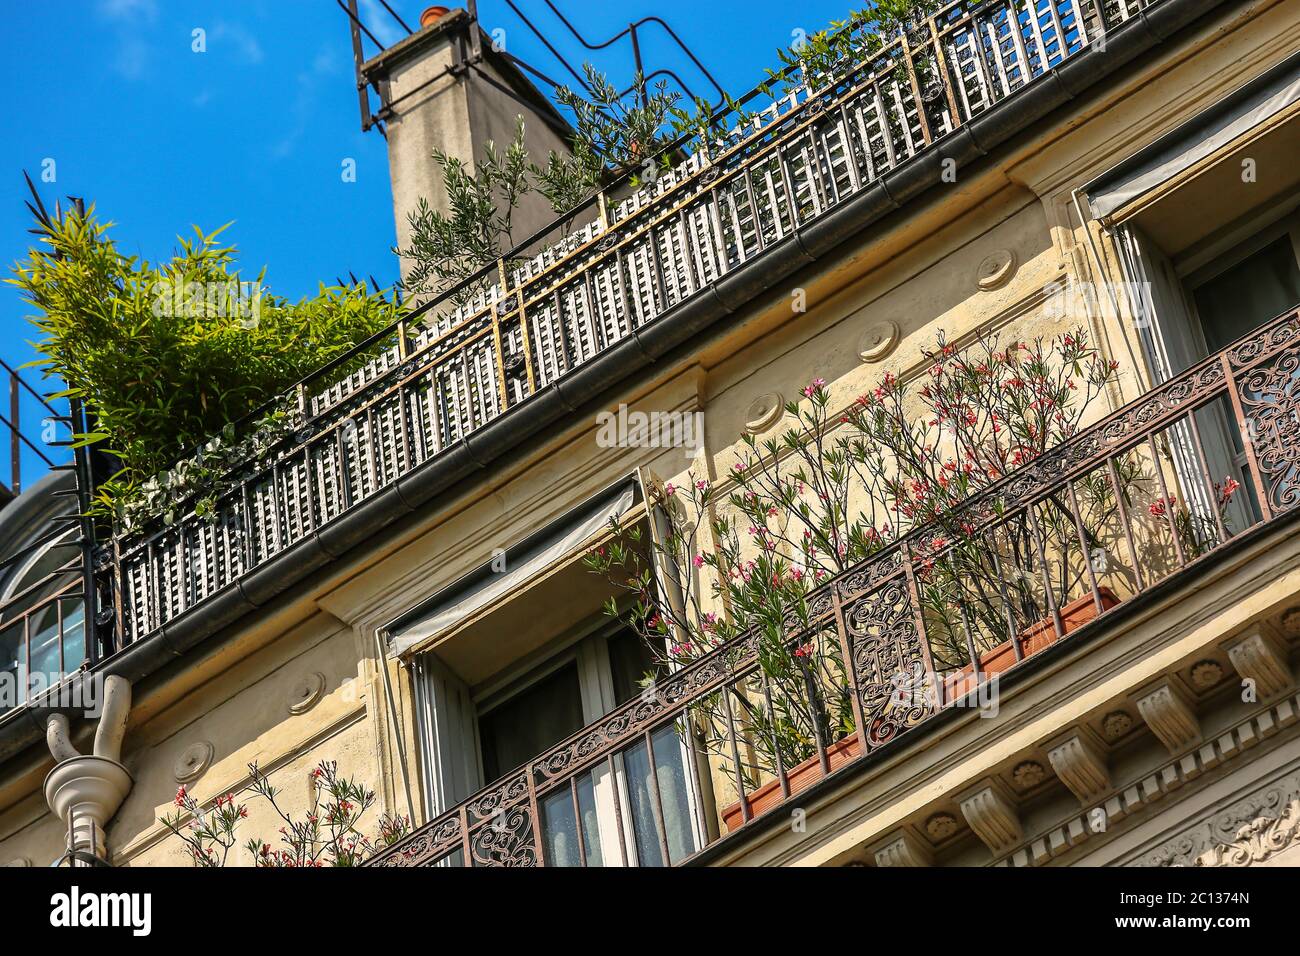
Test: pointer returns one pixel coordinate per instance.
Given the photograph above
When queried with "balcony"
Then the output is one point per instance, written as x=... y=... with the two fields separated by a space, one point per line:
x=413 y=396
x=904 y=667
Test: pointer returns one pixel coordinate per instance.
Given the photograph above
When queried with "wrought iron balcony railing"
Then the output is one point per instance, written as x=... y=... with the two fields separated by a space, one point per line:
x=445 y=371
x=1132 y=501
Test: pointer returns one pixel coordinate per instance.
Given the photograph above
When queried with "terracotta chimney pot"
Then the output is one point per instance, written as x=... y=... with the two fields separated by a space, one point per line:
x=432 y=15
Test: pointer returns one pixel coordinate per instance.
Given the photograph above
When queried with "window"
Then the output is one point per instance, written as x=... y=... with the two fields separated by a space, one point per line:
x=41 y=635
x=572 y=688
x=1247 y=289
x=529 y=669
x=531 y=722
x=1206 y=228
x=529 y=708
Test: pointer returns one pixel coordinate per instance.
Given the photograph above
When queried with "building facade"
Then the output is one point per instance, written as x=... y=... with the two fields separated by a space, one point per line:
x=401 y=588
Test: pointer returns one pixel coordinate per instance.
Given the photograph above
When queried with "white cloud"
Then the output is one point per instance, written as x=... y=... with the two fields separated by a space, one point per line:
x=322 y=67
x=132 y=56
x=380 y=22
x=244 y=42
x=128 y=9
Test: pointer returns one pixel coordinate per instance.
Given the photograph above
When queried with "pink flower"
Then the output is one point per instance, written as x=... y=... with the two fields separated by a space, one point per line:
x=698 y=561
x=670 y=490
x=180 y=795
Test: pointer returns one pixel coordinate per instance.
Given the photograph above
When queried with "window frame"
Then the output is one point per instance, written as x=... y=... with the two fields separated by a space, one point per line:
x=448 y=713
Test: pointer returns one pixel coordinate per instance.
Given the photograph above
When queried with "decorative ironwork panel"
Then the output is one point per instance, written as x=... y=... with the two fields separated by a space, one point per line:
x=509 y=840
x=889 y=662
x=1270 y=400
x=432 y=842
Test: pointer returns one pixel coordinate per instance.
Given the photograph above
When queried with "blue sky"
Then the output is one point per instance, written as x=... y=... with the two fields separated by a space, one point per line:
x=110 y=98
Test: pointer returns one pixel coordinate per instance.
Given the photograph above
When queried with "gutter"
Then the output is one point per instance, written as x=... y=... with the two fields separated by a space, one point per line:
x=587 y=384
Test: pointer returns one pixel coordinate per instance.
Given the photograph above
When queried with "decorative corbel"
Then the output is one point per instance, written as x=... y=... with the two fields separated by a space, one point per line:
x=1168 y=713
x=1257 y=658
x=992 y=815
x=1080 y=763
x=900 y=848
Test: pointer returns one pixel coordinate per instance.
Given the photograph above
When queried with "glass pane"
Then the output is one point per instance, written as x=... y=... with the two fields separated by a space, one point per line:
x=1250 y=293
x=590 y=821
x=45 y=646
x=630 y=660
x=561 y=830
x=563 y=847
x=637 y=766
x=670 y=775
x=530 y=722
x=74 y=641
x=12 y=667
x=673 y=794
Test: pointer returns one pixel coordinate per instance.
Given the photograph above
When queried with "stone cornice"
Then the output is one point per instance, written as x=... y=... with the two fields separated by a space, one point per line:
x=1128 y=800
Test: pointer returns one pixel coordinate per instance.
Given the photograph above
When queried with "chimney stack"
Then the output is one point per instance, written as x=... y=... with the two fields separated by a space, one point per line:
x=446 y=88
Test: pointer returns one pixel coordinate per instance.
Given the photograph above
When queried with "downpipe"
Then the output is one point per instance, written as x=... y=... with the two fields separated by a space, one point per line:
x=86 y=790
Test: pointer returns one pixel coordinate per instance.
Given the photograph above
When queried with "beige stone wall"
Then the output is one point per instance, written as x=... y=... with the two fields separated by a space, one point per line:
x=287 y=707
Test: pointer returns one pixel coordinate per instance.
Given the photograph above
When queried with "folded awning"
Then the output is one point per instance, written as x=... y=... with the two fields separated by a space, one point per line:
x=1202 y=136
x=510 y=570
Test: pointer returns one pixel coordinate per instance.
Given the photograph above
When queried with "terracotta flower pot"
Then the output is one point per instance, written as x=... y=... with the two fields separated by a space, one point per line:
x=801 y=776
x=1032 y=640
x=433 y=15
